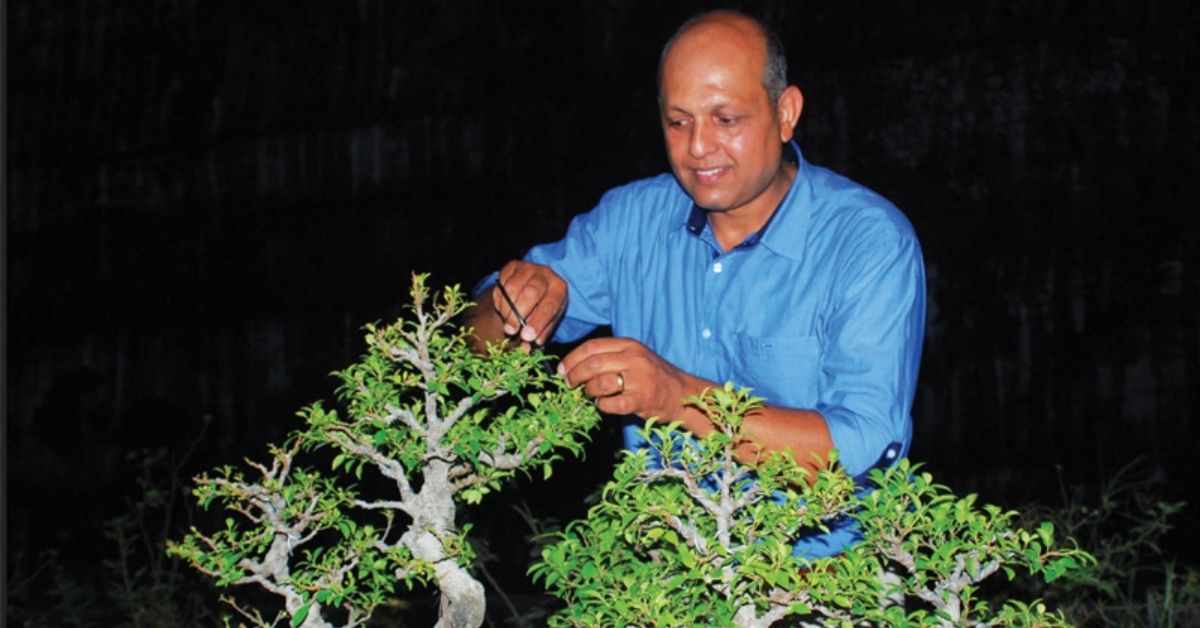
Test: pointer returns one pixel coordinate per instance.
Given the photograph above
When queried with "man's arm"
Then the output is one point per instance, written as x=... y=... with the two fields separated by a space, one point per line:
x=625 y=377
x=648 y=386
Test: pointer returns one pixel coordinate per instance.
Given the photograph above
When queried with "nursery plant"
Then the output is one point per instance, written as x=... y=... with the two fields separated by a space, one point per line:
x=1136 y=580
x=436 y=425
x=685 y=534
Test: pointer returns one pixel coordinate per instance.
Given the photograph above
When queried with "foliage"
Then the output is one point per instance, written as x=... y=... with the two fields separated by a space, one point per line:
x=701 y=539
x=141 y=588
x=151 y=591
x=438 y=423
x=46 y=594
x=1131 y=582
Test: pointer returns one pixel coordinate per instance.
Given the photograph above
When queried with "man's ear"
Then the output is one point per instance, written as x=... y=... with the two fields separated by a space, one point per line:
x=791 y=103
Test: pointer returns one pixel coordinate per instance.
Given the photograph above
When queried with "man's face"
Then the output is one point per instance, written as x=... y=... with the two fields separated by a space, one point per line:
x=723 y=137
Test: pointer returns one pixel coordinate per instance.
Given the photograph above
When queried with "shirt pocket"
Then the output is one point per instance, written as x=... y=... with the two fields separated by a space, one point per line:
x=783 y=370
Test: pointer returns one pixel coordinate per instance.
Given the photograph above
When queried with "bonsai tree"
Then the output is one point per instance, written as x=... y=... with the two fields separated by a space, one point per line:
x=439 y=424
x=685 y=534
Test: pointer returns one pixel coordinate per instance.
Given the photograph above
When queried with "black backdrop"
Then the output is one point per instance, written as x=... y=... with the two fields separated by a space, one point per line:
x=207 y=199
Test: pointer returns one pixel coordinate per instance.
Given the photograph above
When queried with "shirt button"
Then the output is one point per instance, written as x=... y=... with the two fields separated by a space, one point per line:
x=706 y=334
x=718 y=267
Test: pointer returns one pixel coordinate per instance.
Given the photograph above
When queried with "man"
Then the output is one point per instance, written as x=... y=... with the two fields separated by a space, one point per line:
x=745 y=264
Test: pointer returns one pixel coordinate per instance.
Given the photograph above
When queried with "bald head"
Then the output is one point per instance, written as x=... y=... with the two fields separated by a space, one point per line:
x=741 y=31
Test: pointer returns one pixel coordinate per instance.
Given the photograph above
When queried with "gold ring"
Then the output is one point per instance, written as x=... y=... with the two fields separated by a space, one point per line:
x=620 y=383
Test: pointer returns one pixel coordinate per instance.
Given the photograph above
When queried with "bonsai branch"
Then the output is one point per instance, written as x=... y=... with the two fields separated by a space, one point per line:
x=500 y=458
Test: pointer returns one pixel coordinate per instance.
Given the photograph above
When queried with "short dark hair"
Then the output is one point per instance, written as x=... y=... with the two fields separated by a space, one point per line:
x=774 y=77
x=775 y=74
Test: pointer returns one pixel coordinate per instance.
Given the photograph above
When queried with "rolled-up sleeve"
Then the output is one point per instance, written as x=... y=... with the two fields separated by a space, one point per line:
x=873 y=351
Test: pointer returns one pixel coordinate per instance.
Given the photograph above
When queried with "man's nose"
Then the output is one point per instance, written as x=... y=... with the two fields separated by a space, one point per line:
x=700 y=142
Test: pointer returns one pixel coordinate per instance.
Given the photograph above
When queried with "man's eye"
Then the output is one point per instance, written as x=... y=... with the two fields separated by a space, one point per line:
x=678 y=124
x=726 y=120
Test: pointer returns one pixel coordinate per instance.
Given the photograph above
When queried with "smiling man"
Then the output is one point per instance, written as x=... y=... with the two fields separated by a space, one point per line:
x=745 y=264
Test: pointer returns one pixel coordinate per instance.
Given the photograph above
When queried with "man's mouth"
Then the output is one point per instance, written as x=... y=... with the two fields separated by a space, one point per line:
x=708 y=175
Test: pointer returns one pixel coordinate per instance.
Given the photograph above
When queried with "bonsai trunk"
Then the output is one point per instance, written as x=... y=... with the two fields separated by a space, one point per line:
x=463 y=603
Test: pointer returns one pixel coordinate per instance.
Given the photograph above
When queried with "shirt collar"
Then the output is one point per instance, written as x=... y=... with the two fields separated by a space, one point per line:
x=789 y=219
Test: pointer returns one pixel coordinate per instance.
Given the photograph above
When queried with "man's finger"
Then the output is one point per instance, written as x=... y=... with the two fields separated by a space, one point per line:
x=544 y=315
x=592 y=358
x=544 y=337
x=504 y=309
x=590 y=348
x=607 y=384
x=616 y=404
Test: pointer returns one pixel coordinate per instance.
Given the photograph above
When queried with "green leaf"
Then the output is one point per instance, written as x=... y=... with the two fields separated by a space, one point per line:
x=300 y=615
x=1046 y=533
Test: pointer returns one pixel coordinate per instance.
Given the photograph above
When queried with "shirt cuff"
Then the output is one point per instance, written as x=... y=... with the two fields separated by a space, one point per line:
x=860 y=448
x=484 y=284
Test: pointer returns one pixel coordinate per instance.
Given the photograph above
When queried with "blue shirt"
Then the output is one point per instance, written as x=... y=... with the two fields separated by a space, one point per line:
x=822 y=309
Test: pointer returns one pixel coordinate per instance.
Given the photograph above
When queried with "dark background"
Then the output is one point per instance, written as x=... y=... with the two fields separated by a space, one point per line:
x=206 y=200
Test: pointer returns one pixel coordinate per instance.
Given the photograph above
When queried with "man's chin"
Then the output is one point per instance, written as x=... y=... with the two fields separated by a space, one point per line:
x=710 y=203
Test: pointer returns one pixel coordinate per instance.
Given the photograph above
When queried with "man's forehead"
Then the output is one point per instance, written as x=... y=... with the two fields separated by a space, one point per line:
x=708 y=70
x=710 y=101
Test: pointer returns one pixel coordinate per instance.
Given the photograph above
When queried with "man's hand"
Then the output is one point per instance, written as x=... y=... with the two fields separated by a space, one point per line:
x=625 y=377
x=540 y=297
